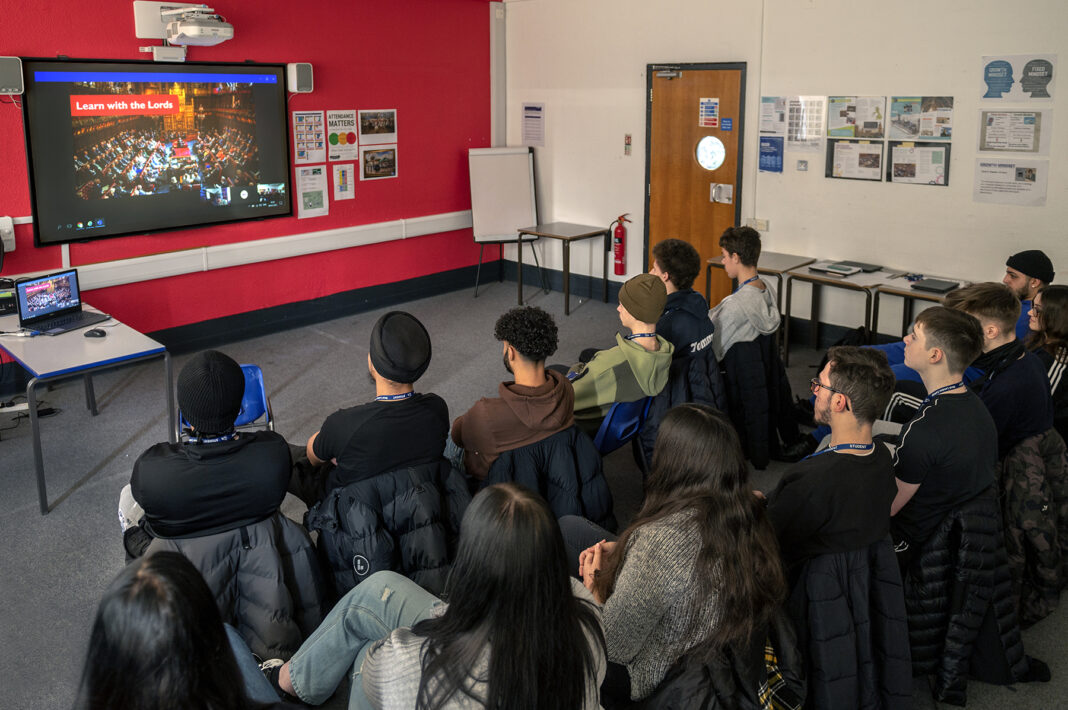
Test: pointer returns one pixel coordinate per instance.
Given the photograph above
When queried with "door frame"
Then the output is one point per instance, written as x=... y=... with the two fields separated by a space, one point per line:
x=650 y=70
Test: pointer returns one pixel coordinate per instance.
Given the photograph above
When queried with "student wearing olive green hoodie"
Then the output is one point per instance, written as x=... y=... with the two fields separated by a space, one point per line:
x=637 y=367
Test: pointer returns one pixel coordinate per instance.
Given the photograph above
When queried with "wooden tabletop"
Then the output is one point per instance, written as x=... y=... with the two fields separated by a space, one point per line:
x=564 y=230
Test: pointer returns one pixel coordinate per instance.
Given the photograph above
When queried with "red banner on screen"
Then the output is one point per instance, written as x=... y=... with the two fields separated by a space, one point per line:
x=124 y=104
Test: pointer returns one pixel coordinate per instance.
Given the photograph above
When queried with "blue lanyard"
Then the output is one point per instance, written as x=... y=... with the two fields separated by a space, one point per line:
x=634 y=336
x=747 y=281
x=213 y=440
x=839 y=447
x=394 y=397
x=939 y=391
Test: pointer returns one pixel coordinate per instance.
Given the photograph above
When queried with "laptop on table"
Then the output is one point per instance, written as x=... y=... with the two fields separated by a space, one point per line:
x=52 y=304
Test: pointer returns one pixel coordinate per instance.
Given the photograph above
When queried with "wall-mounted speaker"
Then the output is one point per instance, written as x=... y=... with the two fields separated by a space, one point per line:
x=11 y=75
x=299 y=78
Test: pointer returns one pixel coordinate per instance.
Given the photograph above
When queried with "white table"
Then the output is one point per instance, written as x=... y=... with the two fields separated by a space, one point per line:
x=59 y=357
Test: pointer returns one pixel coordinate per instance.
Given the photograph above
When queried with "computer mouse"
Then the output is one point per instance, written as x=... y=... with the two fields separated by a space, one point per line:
x=96 y=333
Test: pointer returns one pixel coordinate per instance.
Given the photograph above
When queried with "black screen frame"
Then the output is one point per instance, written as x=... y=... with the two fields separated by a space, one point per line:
x=31 y=64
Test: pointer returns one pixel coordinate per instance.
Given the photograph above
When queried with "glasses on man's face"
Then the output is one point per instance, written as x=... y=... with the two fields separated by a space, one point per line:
x=815 y=385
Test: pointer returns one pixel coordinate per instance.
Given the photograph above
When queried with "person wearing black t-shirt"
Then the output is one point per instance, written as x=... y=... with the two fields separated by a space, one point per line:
x=947 y=452
x=1014 y=385
x=219 y=479
x=399 y=428
x=838 y=499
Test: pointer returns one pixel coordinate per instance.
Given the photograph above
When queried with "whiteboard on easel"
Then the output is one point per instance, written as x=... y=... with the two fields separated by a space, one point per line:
x=502 y=193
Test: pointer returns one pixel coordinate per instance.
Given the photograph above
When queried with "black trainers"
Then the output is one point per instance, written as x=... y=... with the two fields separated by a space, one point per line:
x=271 y=669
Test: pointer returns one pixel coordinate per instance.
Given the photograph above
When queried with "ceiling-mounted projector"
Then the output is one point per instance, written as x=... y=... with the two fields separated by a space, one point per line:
x=196 y=27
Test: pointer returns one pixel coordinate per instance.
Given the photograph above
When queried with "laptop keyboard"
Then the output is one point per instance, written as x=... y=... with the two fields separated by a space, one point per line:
x=70 y=321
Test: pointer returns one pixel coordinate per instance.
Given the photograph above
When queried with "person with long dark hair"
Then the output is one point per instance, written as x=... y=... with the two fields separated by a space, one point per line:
x=1049 y=341
x=158 y=643
x=698 y=568
x=517 y=631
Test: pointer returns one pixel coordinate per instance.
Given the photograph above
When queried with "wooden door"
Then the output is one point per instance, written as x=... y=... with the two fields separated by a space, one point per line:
x=687 y=102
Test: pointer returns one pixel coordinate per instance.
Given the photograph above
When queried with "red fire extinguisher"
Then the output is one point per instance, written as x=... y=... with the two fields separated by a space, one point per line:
x=619 y=244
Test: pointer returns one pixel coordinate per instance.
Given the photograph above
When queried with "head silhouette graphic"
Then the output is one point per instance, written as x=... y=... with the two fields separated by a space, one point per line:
x=1036 y=77
x=998 y=78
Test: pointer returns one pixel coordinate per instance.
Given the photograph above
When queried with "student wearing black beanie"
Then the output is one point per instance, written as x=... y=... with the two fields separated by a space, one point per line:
x=215 y=481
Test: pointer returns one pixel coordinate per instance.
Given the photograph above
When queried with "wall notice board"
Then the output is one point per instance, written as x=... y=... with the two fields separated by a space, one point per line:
x=503 y=199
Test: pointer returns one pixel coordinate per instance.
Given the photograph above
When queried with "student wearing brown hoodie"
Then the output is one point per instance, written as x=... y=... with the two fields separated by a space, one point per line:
x=536 y=405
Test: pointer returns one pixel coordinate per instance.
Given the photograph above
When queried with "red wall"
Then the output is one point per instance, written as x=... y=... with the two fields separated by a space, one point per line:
x=429 y=59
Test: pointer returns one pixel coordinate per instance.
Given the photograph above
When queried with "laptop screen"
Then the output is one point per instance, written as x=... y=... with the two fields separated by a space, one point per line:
x=46 y=295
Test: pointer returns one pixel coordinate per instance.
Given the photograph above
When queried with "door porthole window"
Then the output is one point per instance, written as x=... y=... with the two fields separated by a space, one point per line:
x=710 y=152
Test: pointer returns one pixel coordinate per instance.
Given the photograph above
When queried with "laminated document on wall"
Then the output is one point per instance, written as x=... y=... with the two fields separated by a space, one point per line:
x=773 y=115
x=534 y=125
x=341 y=135
x=918 y=163
x=856 y=116
x=311 y=192
x=854 y=160
x=309 y=137
x=1015 y=131
x=1018 y=78
x=804 y=123
x=1011 y=181
x=926 y=117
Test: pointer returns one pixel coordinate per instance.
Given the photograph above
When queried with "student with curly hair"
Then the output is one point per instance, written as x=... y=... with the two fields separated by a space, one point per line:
x=1048 y=320
x=537 y=404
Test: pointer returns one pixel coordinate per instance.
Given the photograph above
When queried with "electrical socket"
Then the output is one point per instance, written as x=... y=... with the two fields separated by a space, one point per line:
x=7 y=233
x=761 y=225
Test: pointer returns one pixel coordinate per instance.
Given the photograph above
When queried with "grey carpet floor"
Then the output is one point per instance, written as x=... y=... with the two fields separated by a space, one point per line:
x=54 y=568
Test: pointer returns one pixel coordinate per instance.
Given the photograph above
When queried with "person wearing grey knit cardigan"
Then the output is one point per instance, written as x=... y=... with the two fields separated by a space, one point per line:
x=697 y=570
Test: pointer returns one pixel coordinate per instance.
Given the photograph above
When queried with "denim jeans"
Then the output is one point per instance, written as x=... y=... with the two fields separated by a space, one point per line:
x=579 y=534
x=383 y=602
x=257 y=688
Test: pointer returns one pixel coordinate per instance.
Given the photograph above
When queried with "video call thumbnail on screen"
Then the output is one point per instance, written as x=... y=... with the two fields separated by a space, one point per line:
x=131 y=148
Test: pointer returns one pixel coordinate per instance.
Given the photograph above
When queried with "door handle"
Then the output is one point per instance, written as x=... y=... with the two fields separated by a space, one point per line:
x=721 y=193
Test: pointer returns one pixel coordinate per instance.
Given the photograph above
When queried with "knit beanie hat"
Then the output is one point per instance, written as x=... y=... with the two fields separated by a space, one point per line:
x=400 y=347
x=210 y=388
x=1032 y=263
x=644 y=297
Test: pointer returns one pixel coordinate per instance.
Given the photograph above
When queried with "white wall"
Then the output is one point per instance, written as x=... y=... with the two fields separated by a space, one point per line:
x=586 y=60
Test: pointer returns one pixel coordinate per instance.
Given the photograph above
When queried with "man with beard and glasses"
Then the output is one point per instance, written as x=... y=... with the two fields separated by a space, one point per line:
x=1025 y=273
x=536 y=405
x=838 y=499
x=399 y=428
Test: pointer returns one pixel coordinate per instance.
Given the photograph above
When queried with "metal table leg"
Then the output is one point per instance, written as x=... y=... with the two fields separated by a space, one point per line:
x=708 y=283
x=786 y=325
x=168 y=372
x=90 y=395
x=519 y=263
x=869 y=330
x=814 y=316
x=567 y=278
x=35 y=434
x=604 y=263
x=874 y=316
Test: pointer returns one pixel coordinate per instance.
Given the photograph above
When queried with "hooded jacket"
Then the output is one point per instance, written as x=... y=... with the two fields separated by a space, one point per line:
x=685 y=323
x=521 y=415
x=625 y=373
x=743 y=316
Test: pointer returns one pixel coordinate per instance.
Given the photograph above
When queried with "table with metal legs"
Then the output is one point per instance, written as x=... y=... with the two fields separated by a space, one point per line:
x=566 y=233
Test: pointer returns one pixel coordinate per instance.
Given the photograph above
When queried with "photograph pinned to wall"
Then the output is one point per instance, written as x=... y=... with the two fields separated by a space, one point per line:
x=1015 y=131
x=341 y=135
x=854 y=160
x=312 y=192
x=917 y=163
x=773 y=115
x=856 y=116
x=1011 y=181
x=309 y=137
x=804 y=123
x=378 y=126
x=378 y=162
x=1016 y=78
x=926 y=117
x=708 y=113
x=344 y=175
x=771 y=154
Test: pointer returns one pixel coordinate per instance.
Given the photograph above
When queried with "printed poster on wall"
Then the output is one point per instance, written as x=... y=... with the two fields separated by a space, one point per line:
x=1017 y=78
x=926 y=117
x=708 y=113
x=771 y=150
x=856 y=116
x=773 y=115
x=309 y=137
x=378 y=162
x=918 y=163
x=344 y=175
x=1010 y=181
x=341 y=135
x=534 y=125
x=804 y=123
x=854 y=160
x=1015 y=131
x=378 y=126
x=311 y=192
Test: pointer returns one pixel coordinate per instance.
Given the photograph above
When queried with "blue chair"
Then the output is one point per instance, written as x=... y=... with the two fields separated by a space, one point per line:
x=254 y=404
x=622 y=423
